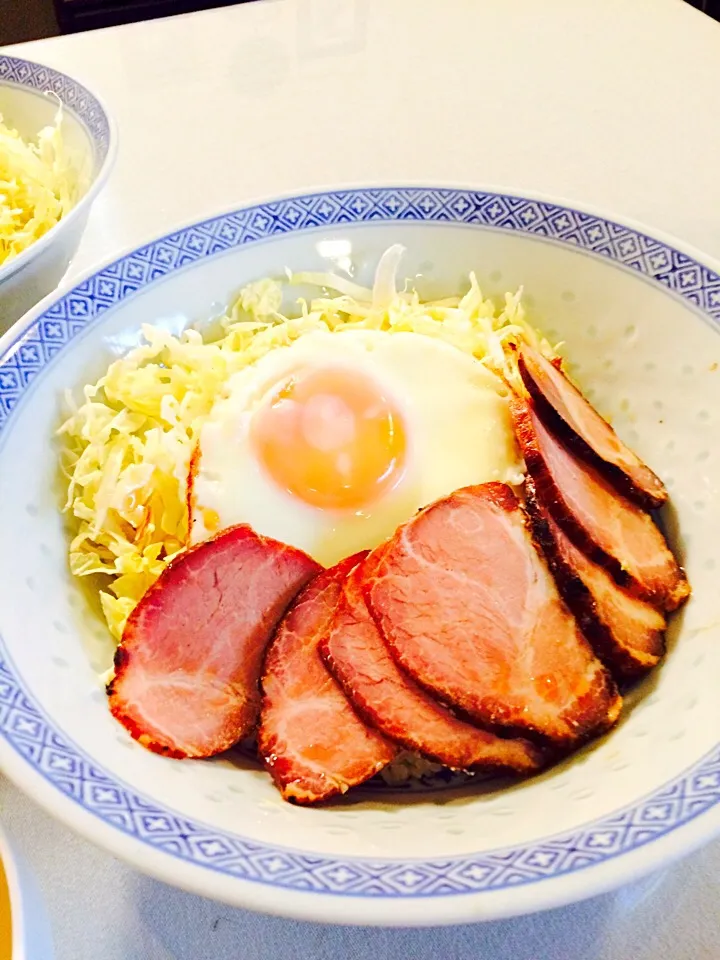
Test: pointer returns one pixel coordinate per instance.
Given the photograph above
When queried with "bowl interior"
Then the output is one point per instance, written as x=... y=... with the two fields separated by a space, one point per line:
x=647 y=359
x=28 y=110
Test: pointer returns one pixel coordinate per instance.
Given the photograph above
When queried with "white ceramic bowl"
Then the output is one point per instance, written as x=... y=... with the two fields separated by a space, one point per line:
x=30 y=930
x=641 y=322
x=29 y=94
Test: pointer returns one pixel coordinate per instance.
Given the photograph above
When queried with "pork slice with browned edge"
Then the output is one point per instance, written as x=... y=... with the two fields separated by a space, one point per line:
x=187 y=671
x=570 y=415
x=609 y=528
x=311 y=741
x=625 y=633
x=388 y=699
x=469 y=609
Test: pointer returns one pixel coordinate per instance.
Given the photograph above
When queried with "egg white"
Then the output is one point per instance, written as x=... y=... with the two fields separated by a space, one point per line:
x=457 y=428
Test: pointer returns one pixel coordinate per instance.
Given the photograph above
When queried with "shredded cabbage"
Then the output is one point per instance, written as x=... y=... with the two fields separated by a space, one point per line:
x=128 y=444
x=39 y=183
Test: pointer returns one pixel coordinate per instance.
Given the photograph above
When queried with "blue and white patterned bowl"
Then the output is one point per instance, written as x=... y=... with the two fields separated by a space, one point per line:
x=641 y=322
x=29 y=97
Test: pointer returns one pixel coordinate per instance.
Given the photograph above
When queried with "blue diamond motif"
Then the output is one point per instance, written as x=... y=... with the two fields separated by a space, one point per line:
x=105 y=795
x=212 y=849
x=25 y=726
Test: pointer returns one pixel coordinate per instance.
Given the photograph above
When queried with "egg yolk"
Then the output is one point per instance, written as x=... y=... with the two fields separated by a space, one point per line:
x=330 y=438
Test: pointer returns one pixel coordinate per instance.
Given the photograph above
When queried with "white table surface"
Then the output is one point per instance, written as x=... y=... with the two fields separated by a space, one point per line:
x=608 y=103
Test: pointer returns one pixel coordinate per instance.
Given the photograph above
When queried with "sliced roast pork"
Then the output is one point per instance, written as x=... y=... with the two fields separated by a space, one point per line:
x=625 y=633
x=568 y=414
x=311 y=740
x=469 y=609
x=187 y=671
x=391 y=701
x=609 y=528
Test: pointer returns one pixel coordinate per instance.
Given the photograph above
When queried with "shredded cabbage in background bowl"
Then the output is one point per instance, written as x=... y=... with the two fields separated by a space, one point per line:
x=128 y=445
x=39 y=184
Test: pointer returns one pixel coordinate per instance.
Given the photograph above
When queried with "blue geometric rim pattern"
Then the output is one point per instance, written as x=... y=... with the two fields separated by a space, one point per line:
x=31 y=734
x=70 y=93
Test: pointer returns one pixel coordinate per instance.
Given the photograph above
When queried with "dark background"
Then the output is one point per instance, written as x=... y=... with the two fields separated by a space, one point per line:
x=711 y=7
x=22 y=20
x=31 y=19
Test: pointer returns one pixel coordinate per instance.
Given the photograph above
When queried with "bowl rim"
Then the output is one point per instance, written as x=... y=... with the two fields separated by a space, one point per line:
x=69 y=91
x=343 y=904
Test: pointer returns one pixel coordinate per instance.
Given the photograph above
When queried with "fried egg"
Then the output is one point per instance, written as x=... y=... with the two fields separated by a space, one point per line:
x=330 y=443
